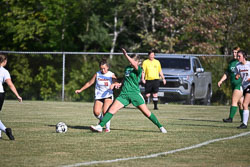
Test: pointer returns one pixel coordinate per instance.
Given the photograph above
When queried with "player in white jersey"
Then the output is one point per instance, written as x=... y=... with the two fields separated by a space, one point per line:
x=103 y=90
x=5 y=77
x=243 y=71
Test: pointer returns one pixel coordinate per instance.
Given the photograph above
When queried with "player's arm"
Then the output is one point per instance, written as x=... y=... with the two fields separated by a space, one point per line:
x=223 y=78
x=87 y=85
x=115 y=84
x=132 y=61
x=13 y=89
x=237 y=73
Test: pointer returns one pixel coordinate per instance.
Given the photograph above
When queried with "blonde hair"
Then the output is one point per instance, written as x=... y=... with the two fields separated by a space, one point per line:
x=236 y=48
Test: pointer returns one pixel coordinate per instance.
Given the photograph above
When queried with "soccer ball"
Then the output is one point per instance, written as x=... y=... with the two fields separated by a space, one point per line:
x=61 y=127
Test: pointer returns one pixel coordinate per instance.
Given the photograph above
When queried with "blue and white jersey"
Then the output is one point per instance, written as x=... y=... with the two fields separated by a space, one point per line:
x=244 y=71
x=4 y=74
x=102 y=86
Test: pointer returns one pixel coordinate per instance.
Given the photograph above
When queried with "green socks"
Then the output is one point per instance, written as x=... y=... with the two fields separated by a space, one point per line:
x=233 y=110
x=105 y=119
x=155 y=120
x=241 y=114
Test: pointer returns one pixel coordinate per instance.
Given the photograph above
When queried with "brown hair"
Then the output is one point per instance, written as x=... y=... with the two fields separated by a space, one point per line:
x=2 y=57
x=103 y=62
x=244 y=54
x=151 y=51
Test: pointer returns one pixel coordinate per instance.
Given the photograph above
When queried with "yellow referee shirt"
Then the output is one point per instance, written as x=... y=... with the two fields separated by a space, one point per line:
x=151 y=69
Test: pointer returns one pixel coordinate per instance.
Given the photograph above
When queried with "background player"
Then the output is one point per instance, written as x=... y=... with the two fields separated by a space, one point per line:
x=5 y=77
x=237 y=96
x=152 y=70
x=243 y=71
x=103 y=90
x=130 y=93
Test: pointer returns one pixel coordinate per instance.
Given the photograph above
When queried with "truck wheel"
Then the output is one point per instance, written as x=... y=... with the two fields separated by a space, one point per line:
x=207 y=100
x=191 y=98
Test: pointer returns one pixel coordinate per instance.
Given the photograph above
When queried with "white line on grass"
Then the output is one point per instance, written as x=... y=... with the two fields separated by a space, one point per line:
x=158 y=154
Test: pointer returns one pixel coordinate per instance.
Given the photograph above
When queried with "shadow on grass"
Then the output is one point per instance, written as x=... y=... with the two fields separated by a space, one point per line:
x=200 y=120
x=203 y=120
x=215 y=126
x=112 y=129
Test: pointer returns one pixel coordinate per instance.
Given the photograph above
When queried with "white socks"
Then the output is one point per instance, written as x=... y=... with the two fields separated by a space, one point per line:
x=108 y=125
x=100 y=116
x=2 y=127
x=245 y=116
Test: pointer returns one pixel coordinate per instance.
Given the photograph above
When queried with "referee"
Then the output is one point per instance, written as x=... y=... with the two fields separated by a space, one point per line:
x=152 y=73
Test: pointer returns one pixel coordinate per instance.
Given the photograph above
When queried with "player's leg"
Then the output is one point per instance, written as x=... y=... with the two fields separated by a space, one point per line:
x=138 y=101
x=116 y=106
x=240 y=104
x=8 y=131
x=246 y=111
x=155 y=89
x=107 y=104
x=237 y=94
x=144 y=109
x=97 y=109
x=148 y=90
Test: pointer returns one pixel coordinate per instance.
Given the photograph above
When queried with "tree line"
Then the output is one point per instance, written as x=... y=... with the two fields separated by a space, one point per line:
x=168 y=26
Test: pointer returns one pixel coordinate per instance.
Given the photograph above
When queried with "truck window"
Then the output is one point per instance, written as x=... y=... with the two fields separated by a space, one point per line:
x=175 y=63
x=196 y=64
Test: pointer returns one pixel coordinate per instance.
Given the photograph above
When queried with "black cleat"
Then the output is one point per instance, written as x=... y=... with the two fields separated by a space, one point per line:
x=228 y=120
x=242 y=126
x=9 y=134
x=156 y=108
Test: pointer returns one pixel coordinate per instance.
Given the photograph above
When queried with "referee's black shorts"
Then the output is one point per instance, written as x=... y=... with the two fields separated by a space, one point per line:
x=152 y=86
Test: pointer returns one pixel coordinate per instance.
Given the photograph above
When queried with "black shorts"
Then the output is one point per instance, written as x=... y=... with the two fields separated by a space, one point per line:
x=102 y=100
x=152 y=86
x=247 y=90
x=2 y=95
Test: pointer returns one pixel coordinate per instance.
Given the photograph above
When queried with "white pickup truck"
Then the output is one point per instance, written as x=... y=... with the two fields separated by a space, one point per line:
x=186 y=80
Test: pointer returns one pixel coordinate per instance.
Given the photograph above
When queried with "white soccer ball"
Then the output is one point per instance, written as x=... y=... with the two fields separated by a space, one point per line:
x=61 y=127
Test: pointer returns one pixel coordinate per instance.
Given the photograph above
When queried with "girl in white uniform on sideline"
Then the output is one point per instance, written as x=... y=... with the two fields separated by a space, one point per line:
x=243 y=71
x=103 y=90
x=5 y=77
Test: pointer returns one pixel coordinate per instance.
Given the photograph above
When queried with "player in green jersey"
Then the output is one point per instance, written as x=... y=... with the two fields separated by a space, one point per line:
x=130 y=93
x=237 y=97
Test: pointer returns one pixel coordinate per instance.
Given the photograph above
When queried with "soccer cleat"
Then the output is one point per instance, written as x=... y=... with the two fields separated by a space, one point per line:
x=9 y=134
x=163 y=130
x=228 y=120
x=242 y=126
x=156 y=108
x=107 y=130
x=96 y=128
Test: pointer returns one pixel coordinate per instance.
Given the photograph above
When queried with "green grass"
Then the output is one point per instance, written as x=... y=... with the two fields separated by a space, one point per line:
x=132 y=134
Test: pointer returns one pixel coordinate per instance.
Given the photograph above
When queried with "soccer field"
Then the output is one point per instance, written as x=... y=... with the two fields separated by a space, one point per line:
x=133 y=140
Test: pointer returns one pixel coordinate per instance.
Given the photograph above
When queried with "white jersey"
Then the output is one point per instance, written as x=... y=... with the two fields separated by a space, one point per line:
x=244 y=71
x=102 y=86
x=4 y=74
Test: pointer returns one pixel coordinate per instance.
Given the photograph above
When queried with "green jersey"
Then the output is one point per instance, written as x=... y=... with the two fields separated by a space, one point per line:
x=131 y=80
x=231 y=72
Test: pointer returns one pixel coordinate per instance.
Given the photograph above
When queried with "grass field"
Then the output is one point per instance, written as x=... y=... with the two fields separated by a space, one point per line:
x=132 y=135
